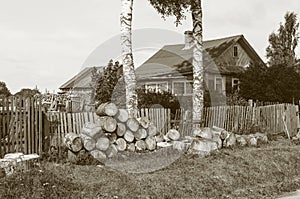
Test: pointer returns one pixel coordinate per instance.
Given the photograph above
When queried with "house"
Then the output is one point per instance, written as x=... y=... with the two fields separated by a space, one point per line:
x=80 y=89
x=224 y=59
x=170 y=69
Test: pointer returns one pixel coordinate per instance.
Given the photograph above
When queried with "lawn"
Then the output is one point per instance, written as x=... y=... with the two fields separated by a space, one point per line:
x=264 y=172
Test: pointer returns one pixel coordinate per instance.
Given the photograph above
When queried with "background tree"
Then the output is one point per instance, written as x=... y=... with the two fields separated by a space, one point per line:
x=127 y=57
x=178 y=9
x=276 y=83
x=281 y=49
x=27 y=92
x=110 y=87
x=105 y=81
x=252 y=83
x=4 y=92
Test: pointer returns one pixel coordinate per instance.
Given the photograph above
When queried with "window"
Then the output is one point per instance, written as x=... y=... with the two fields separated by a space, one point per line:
x=178 y=88
x=235 y=84
x=235 y=51
x=216 y=84
x=182 y=88
x=156 y=86
x=211 y=84
x=218 y=87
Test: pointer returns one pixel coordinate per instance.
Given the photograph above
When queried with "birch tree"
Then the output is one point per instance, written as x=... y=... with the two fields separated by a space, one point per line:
x=127 y=57
x=178 y=9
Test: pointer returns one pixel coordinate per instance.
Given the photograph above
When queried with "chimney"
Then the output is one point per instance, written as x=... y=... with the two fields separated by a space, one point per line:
x=189 y=40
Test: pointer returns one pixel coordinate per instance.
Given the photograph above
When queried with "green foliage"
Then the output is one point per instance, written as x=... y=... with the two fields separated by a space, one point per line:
x=273 y=84
x=4 y=92
x=283 y=43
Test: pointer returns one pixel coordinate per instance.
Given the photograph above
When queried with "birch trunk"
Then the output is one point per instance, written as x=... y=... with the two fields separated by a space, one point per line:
x=198 y=71
x=127 y=58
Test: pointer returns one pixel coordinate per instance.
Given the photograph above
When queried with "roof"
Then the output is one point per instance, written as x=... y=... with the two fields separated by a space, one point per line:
x=168 y=59
x=81 y=80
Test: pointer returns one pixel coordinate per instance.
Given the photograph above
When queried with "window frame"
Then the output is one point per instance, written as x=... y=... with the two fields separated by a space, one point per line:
x=156 y=86
x=185 y=83
x=235 y=51
x=238 y=84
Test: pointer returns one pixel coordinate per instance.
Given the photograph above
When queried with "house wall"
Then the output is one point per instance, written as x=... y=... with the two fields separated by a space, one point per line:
x=227 y=58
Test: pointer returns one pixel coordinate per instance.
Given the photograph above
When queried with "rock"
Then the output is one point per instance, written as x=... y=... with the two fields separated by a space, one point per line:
x=180 y=146
x=202 y=147
x=163 y=144
x=252 y=141
x=230 y=140
x=203 y=133
x=241 y=140
x=261 y=138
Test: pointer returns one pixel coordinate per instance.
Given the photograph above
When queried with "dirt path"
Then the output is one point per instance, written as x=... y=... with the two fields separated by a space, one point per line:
x=144 y=162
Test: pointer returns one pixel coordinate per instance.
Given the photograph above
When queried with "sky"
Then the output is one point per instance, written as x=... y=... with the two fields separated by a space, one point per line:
x=45 y=43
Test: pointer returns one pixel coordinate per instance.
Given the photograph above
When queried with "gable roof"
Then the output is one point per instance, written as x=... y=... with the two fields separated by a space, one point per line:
x=167 y=59
x=81 y=80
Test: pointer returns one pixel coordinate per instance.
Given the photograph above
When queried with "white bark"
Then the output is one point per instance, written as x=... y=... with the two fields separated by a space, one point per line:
x=128 y=67
x=198 y=71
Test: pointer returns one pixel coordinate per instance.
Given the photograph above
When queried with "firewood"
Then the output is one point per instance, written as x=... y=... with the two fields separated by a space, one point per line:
x=150 y=143
x=230 y=140
x=107 y=109
x=261 y=138
x=121 y=129
x=203 y=133
x=241 y=140
x=159 y=138
x=152 y=130
x=128 y=136
x=121 y=144
x=108 y=124
x=112 y=137
x=122 y=115
x=99 y=155
x=111 y=151
x=173 y=134
x=102 y=143
x=73 y=142
x=92 y=130
x=203 y=146
x=140 y=134
x=131 y=147
x=132 y=124
x=140 y=145
x=180 y=146
x=88 y=142
x=144 y=122
x=72 y=157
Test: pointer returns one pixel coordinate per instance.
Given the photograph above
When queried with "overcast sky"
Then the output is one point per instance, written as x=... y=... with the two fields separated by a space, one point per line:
x=45 y=43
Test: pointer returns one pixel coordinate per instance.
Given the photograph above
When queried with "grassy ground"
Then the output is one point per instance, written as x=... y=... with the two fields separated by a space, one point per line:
x=264 y=172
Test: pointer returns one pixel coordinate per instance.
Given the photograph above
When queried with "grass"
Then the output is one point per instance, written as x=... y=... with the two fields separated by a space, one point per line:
x=263 y=172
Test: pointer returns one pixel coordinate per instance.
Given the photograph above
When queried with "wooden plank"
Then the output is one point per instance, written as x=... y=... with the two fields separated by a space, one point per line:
x=1 y=126
x=69 y=120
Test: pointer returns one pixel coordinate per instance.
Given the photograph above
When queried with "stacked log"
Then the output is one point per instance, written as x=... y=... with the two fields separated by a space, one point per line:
x=114 y=131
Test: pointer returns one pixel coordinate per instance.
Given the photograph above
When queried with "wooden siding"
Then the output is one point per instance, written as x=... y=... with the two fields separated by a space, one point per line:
x=227 y=57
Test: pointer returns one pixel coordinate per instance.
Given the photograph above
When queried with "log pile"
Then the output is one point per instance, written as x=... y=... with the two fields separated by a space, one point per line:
x=113 y=132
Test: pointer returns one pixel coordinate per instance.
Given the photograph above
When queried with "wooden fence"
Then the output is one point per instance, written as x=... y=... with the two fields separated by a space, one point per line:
x=272 y=118
x=21 y=125
x=25 y=127
x=63 y=123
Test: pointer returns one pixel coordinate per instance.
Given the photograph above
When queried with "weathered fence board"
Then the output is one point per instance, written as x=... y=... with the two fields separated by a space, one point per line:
x=272 y=118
